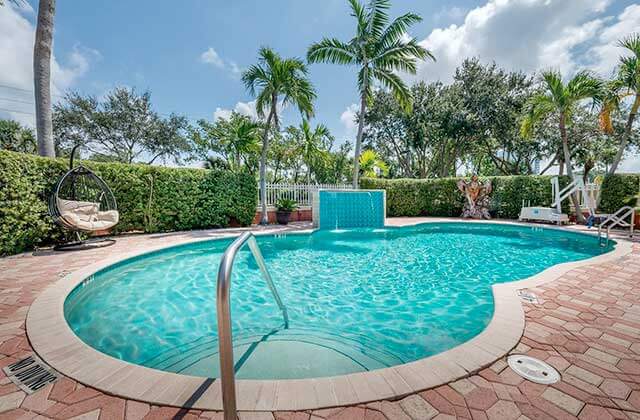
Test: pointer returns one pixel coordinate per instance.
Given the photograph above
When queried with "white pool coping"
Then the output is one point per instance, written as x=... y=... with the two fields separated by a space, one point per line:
x=55 y=342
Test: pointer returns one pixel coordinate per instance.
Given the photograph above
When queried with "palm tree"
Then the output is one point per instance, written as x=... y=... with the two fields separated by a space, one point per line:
x=240 y=138
x=379 y=49
x=315 y=143
x=626 y=84
x=560 y=101
x=42 y=77
x=272 y=80
x=371 y=165
x=42 y=74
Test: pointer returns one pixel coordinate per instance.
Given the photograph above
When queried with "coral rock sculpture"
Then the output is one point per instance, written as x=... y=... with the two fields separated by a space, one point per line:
x=476 y=205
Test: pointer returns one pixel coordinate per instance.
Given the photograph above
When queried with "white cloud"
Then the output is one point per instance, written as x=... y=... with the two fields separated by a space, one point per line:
x=603 y=56
x=243 y=108
x=17 y=35
x=526 y=35
x=236 y=71
x=349 y=120
x=210 y=56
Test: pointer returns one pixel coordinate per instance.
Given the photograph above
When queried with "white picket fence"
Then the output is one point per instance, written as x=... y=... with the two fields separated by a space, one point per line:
x=593 y=192
x=301 y=193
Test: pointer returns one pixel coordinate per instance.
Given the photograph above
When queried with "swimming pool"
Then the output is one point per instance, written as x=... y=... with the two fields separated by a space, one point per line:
x=358 y=300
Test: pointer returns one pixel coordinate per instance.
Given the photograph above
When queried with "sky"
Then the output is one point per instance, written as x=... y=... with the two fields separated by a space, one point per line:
x=190 y=54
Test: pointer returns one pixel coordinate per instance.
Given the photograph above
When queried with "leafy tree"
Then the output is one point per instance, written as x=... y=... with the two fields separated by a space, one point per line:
x=493 y=100
x=561 y=100
x=626 y=84
x=17 y=138
x=316 y=144
x=122 y=128
x=371 y=166
x=235 y=140
x=216 y=163
x=285 y=159
x=273 y=80
x=337 y=166
x=379 y=49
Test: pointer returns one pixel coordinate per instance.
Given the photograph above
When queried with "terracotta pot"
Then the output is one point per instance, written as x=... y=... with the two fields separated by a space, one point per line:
x=283 y=217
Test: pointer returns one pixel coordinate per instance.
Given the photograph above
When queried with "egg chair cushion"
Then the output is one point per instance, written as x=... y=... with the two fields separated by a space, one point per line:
x=86 y=215
x=77 y=207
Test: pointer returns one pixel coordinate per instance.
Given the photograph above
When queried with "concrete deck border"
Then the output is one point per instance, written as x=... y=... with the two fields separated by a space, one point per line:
x=54 y=341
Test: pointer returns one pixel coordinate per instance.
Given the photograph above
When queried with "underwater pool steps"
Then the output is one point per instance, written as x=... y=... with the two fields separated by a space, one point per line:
x=180 y=358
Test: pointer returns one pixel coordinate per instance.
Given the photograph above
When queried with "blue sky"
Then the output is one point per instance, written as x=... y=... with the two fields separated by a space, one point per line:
x=159 y=46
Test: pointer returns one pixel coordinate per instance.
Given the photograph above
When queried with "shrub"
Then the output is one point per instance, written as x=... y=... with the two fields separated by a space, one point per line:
x=150 y=198
x=440 y=197
x=619 y=190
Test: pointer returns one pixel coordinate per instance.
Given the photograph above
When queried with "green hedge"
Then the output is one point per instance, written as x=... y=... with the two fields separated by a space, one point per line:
x=440 y=197
x=150 y=198
x=619 y=190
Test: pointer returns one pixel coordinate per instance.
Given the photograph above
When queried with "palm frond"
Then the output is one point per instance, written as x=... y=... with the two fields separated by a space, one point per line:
x=629 y=73
x=397 y=29
x=632 y=43
x=402 y=56
x=254 y=77
x=331 y=50
x=358 y=11
x=377 y=17
x=538 y=107
x=397 y=87
x=585 y=85
x=263 y=102
x=553 y=82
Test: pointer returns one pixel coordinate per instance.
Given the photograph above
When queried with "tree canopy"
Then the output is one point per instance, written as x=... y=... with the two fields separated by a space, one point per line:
x=122 y=127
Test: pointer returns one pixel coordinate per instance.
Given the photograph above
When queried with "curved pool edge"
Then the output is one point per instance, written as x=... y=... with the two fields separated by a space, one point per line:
x=54 y=341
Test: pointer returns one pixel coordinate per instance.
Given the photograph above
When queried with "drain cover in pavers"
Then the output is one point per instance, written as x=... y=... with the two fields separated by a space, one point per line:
x=533 y=369
x=30 y=374
x=528 y=296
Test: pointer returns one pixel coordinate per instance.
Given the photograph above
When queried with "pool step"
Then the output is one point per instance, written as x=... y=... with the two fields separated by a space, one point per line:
x=200 y=357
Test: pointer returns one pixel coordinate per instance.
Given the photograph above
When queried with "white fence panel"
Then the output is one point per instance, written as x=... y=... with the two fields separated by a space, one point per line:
x=300 y=193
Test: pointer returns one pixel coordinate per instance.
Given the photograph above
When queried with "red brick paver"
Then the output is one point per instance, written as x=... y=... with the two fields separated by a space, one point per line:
x=586 y=324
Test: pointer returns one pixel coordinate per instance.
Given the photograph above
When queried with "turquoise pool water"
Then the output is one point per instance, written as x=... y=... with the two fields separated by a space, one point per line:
x=357 y=300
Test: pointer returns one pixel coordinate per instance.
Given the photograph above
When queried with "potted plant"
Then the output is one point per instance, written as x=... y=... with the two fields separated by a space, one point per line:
x=284 y=207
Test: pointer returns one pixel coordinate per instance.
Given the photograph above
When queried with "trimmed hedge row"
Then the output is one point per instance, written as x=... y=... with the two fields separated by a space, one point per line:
x=150 y=198
x=619 y=190
x=440 y=197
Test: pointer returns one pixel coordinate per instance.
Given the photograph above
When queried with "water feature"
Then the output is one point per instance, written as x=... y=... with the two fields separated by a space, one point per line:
x=348 y=209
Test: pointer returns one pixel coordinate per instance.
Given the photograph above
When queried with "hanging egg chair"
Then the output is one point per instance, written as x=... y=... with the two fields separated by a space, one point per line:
x=83 y=203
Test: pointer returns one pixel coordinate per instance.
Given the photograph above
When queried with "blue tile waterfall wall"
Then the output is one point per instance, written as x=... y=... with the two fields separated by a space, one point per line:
x=351 y=209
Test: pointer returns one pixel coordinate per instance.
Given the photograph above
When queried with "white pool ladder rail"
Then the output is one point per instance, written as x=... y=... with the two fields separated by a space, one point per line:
x=619 y=218
x=225 y=340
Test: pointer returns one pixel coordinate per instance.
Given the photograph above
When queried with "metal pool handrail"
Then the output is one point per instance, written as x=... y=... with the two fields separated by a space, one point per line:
x=225 y=340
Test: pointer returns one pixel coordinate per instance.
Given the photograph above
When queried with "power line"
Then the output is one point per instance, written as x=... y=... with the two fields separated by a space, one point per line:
x=18 y=101
x=17 y=112
x=15 y=88
x=25 y=90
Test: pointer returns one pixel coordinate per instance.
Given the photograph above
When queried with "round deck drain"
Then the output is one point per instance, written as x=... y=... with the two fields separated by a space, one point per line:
x=533 y=369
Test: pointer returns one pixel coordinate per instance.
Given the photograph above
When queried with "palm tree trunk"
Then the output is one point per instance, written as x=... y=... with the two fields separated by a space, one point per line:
x=264 y=219
x=42 y=77
x=356 y=156
x=626 y=135
x=567 y=161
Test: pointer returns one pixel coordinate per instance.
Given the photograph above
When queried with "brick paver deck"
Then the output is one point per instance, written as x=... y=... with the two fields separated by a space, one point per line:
x=586 y=324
